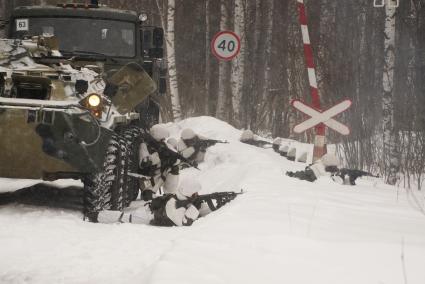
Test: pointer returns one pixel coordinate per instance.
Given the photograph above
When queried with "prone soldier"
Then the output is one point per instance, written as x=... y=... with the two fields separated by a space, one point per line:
x=193 y=146
x=248 y=137
x=327 y=165
x=277 y=142
x=180 y=208
x=164 y=209
x=168 y=211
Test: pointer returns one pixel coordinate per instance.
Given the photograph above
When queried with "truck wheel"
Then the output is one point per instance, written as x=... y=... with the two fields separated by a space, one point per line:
x=104 y=190
x=133 y=138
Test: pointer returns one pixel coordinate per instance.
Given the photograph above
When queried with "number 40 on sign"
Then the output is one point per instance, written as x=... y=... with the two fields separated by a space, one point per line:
x=225 y=45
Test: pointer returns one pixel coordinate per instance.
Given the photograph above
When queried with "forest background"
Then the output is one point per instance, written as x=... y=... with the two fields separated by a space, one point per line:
x=353 y=52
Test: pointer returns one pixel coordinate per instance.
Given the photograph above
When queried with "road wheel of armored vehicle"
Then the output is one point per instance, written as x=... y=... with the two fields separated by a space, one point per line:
x=105 y=189
x=132 y=136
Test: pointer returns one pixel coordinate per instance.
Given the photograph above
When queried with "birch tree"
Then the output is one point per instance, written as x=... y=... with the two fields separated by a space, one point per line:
x=255 y=81
x=391 y=161
x=238 y=63
x=296 y=71
x=171 y=57
x=265 y=100
x=207 y=56
x=6 y=8
x=3 y=18
x=224 y=66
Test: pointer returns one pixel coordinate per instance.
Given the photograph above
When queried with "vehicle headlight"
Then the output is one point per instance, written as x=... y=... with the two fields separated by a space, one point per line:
x=94 y=103
x=94 y=100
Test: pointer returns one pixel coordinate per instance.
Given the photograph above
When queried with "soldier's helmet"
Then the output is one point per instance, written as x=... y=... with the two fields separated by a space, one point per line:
x=247 y=135
x=188 y=134
x=188 y=187
x=284 y=148
x=172 y=142
x=159 y=132
x=277 y=141
x=329 y=160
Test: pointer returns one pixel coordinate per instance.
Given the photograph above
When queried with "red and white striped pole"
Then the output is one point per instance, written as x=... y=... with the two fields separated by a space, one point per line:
x=319 y=140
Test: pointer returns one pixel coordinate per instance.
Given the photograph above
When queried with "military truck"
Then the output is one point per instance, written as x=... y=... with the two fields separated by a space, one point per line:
x=78 y=88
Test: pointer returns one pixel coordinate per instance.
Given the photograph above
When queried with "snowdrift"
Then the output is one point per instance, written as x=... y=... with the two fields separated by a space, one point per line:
x=282 y=230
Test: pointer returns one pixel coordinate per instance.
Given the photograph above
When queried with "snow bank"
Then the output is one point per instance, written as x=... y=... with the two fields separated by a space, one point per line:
x=13 y=184
x=282 y=230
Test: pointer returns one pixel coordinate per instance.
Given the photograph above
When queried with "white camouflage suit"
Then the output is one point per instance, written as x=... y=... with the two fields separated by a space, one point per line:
x=319 y=167
x=150 y=160
x=188 y=150
x=170 y=216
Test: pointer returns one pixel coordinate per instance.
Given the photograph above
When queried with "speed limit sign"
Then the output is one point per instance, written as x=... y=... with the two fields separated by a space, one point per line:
x=225 y=45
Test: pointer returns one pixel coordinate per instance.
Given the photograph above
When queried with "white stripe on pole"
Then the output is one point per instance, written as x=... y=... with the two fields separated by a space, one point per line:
x=312 y=77
x=306 y=37
x=319 y=141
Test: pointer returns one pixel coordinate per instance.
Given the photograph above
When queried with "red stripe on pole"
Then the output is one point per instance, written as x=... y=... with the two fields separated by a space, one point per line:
x=303 y=16
x=308 y=53
x=315 y=97
x=319 y=149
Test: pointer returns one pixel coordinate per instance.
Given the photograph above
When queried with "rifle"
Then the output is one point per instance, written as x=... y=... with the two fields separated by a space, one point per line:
x=140 y=176
x=167 y=156
x=261 y=143
x=205 y=143
x=221 y=198
x=257 y=143
x=352 y=174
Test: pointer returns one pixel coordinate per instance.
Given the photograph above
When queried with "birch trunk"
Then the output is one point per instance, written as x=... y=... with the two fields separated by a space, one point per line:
x=324 y=58
x=3 y=18
x=161 y=10
x=6 y=8
x=256 y=82
x=221 y=112
x=296 y=73
x=171 y=60
x=207 y=57
x=391 y=162
x=238 y=63
x=265 y=100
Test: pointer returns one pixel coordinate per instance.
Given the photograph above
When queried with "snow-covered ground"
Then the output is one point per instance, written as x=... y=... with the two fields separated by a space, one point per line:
x=282 y=230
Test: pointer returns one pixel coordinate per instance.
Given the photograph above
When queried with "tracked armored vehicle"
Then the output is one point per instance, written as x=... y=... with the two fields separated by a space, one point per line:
x=78 y=87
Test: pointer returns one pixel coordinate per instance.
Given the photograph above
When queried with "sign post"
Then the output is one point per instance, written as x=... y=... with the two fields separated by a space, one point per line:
x=319 y=139
x=225 y=45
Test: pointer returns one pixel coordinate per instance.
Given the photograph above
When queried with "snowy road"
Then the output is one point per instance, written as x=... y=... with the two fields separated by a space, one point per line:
x=281 y=231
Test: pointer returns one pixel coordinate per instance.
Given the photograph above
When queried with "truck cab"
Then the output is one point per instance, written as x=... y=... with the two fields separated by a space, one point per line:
x=106 y=37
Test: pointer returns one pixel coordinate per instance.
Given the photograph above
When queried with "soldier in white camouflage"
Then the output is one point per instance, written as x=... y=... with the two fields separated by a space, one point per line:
x=160 y=171
x=167 y=210
x=248 y=137
x=325 y=166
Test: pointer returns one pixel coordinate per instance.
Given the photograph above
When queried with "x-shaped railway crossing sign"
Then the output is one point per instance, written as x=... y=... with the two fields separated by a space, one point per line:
x=324 y=117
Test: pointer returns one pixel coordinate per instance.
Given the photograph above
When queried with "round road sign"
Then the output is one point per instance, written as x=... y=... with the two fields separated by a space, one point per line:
x=225 y=45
